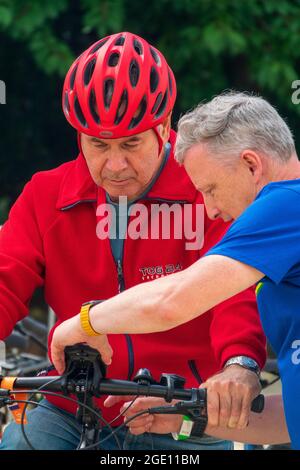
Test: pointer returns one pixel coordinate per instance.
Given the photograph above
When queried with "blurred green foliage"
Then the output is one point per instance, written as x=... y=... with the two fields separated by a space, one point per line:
x=211 y=45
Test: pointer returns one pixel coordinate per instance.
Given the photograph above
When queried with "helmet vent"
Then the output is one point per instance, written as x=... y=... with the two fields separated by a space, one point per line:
x=79 y=113
x=120 y=41
x=98 y=45
x=88 y=72
x=66 y=103
x=134 y=73
x=138 y=47
x=93 y=107
x=113 y=59
x=162 y=106
x=157 y=103
x=122 y=108
x=109 y=85
x=140 y=114
x=155 y=56
x=72 y=77
x=154 y=80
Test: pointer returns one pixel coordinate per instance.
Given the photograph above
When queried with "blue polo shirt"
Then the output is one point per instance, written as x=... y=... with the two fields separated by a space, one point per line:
x=267 y=237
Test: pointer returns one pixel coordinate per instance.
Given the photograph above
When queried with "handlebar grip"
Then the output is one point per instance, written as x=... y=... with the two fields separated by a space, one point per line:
x=258 y=404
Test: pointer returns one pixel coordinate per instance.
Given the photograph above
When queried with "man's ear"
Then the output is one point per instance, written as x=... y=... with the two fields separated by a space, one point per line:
x=253 y=162
x=165 y=128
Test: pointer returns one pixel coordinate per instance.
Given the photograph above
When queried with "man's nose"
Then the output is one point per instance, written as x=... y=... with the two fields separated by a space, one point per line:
x=212 y=211
x=116 y=163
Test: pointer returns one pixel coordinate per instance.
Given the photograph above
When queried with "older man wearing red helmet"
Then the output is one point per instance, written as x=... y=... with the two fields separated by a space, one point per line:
x=119 y=95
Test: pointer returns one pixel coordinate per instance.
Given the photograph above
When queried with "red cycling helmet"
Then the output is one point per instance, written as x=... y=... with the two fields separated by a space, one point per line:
x=118 y=87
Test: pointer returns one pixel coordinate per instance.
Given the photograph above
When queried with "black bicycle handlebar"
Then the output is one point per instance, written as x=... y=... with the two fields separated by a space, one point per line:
x=85 y=373
x=120 y=387
x=85 y=377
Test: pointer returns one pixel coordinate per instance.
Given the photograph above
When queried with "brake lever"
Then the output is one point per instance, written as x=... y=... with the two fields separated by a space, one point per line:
x=196 y=408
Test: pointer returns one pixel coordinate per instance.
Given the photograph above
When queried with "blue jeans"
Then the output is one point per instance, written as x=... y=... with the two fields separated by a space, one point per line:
x=49 y=431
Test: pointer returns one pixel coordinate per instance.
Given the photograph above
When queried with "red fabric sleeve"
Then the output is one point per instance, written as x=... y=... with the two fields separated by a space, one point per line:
x=236 y=329
x=21 y=262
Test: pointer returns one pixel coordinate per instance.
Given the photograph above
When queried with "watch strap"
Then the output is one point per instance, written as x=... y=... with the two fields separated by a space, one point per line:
x=244 y=361
x=85 y=318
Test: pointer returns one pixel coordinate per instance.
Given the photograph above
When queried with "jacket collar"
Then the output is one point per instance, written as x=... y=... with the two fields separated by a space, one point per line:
x=77 y=185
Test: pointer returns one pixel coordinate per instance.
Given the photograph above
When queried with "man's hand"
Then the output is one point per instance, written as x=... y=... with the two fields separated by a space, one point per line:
x=159 y=424
x=229 y=396
x=69 y=333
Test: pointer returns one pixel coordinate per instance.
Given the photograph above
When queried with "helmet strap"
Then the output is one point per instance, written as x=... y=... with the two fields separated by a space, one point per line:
x=160 y=141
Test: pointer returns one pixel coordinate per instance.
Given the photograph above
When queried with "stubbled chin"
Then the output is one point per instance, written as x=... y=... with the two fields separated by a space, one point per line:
x=227 y=218
x=115 y=193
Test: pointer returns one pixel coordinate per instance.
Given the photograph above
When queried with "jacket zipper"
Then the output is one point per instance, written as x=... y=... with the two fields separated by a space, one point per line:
x=121 y=283
x=195 y=372
x=121 y=288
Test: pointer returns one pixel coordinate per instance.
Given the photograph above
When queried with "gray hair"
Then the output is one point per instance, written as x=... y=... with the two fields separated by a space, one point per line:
x=232 y=122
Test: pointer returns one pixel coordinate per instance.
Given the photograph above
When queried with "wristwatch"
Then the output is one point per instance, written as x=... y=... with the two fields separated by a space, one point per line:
x=244 y=361
x=190 y=428
x=85 y=317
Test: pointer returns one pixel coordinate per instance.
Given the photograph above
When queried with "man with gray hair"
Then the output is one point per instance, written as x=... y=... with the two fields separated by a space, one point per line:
x=241 y=155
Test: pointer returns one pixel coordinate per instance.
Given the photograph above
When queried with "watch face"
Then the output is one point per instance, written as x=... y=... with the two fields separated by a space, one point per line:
x=249 y=363
x=246 y=362
x=95 y=302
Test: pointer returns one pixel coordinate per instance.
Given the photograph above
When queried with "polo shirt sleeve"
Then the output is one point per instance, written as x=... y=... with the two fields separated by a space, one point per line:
x=267 y=235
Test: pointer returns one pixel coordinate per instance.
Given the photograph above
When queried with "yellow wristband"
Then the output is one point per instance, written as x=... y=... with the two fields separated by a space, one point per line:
x=85 y=320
